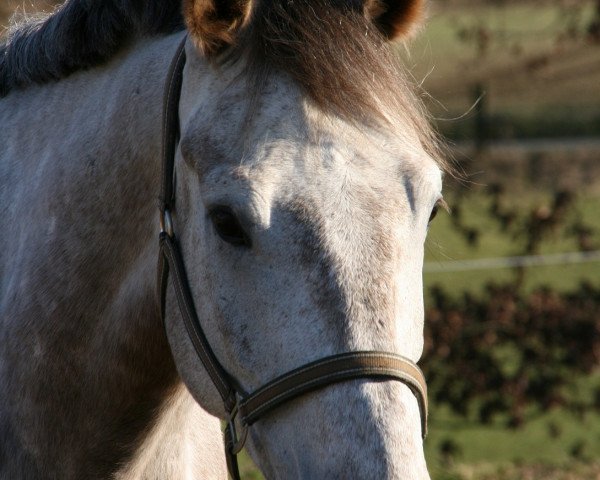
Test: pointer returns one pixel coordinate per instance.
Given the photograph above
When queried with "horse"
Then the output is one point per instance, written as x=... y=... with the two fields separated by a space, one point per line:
x=304 y=177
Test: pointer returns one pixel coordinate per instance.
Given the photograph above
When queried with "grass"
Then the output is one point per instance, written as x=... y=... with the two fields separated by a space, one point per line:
x=554 y=439
x=555 y=445
x=574 y=471
x=445 y=244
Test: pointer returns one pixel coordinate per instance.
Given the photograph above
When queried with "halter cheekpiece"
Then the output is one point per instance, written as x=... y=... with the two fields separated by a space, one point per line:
x=243 y=408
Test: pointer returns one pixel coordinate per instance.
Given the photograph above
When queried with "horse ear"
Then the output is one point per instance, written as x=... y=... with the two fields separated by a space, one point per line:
x=214 y=24
x=396 y=18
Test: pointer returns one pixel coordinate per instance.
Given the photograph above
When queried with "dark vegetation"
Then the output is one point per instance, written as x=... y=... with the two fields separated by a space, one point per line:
x=508 y=355
x=516 y=70
x=505 y=352
x=510 y=363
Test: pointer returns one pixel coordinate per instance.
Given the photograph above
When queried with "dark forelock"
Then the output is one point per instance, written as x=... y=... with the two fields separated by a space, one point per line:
x=337 y=56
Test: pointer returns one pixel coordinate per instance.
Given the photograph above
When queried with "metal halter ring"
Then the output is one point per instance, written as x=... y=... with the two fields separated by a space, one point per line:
x=166 y=223
x=235 y=443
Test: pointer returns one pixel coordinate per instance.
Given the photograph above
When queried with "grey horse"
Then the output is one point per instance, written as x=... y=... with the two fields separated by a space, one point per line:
x=306 y=176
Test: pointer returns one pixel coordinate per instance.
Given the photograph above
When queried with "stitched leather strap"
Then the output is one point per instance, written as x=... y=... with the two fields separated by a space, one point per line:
x=170 y=260
x=170 y=252
x=170 y=126
x=337 y=368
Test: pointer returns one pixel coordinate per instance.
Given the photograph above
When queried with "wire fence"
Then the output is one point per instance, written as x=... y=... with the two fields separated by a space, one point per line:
x=570 y=258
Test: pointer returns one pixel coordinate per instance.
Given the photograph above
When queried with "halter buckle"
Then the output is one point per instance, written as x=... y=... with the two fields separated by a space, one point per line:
x=234 y=442
x=166 y=222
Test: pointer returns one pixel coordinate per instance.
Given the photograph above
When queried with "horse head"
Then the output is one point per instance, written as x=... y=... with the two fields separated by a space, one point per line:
x=306 y=176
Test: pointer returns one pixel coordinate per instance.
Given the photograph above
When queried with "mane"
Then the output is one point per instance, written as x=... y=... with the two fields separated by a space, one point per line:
x=79 y=34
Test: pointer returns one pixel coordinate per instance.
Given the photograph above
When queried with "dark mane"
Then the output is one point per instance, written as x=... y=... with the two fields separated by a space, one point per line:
x=80 y=34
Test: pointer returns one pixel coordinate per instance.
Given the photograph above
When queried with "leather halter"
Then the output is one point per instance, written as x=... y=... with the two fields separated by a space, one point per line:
x=244 y=408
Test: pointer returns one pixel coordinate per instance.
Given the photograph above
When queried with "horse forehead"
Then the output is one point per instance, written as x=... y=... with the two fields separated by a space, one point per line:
x=347 y=172
x=284 y=139
x=328 y=178
x=281 y=124
x=230 y=114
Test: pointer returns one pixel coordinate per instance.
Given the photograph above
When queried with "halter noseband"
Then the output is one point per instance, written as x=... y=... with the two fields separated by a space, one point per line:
x=248 y=408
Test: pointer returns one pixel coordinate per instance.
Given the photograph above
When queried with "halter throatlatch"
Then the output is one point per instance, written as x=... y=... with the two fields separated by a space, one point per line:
x=245 y=409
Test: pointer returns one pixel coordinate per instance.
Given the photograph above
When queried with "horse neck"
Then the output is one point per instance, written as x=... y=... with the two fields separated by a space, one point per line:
x=85 y=364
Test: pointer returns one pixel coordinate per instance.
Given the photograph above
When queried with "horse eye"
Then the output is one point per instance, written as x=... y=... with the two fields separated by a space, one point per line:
x=440 y=203
x=228 y=226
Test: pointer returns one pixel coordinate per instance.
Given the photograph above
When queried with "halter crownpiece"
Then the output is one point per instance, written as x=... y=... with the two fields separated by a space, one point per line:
x=242 y=408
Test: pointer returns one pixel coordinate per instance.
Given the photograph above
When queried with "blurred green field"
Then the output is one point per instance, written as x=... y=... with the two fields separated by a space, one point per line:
x=540 y=73
x=555 y=445
x=558 y=441
x=445 y=244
